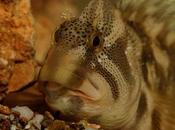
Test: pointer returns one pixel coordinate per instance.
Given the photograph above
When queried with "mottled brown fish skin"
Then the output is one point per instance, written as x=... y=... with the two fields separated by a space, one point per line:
x=115 y=65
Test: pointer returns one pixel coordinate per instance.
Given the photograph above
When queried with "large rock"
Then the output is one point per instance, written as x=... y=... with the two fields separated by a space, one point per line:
x=17 y=64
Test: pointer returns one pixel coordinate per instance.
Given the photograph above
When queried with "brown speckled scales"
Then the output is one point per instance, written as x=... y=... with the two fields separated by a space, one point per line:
x=135 y=57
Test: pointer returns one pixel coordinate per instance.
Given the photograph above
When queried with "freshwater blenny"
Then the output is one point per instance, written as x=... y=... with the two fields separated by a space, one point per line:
x=115 y=65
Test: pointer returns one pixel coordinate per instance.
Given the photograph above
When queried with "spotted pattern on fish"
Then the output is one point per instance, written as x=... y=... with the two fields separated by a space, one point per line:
x=134 y=52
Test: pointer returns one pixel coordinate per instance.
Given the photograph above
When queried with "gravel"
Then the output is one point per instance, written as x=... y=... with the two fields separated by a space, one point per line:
x=23 y=118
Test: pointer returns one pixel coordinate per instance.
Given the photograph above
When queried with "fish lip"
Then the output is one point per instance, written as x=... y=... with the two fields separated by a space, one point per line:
x=79 y=93
x=71 y=92
x=91 y=93
x=52 y=92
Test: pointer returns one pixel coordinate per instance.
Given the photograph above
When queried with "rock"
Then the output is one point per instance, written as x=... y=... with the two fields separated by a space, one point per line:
x=13 y=127
x=23 y=74
x=5 y=125
x=4 y=110
x=25 y=112
x=36 y=121
x=57 y=125
x=20 y=118
x=16 y=45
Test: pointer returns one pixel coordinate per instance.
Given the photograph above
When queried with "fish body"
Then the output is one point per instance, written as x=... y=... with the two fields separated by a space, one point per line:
x=114 y=65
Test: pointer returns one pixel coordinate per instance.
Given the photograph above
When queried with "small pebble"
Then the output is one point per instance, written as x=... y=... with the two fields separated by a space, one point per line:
x=36 y=121
x=13 y=127
x=49 y=115
x=24 y=111
x=12 y=117
x=4 y=110
x=2 y=116
x=28 y=126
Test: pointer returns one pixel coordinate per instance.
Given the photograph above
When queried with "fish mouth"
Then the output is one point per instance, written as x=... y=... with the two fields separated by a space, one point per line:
x=87 y=90
x=67 y=74
x=81 y=94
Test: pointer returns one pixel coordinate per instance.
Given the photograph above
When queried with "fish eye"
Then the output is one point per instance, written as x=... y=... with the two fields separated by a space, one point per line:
x=96 y=41
x=56 y=35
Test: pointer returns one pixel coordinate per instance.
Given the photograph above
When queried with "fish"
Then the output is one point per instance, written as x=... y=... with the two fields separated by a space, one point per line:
x=114 y=65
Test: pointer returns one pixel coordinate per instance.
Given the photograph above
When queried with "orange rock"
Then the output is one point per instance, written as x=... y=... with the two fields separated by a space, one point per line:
x=4 y=110
x=23 y=74
x=17 y=64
